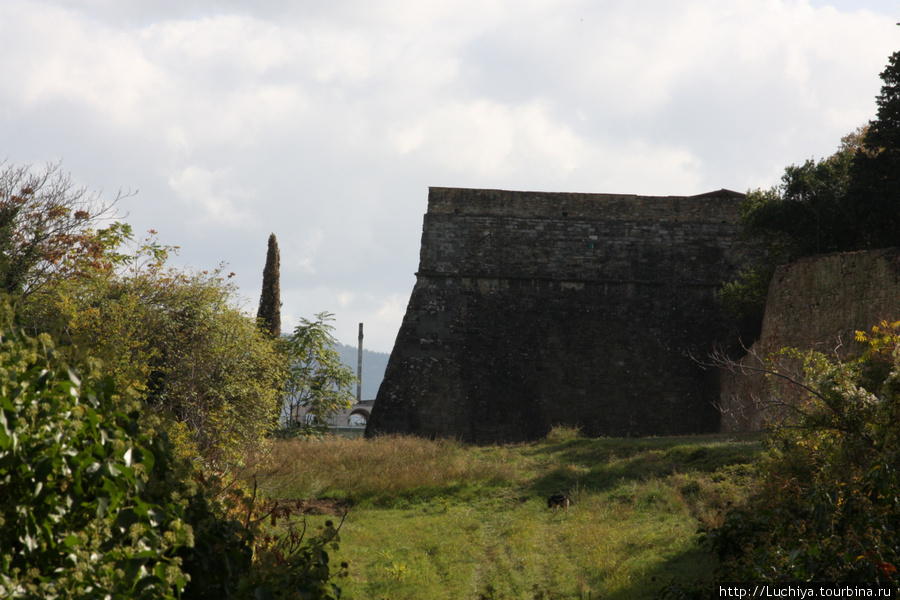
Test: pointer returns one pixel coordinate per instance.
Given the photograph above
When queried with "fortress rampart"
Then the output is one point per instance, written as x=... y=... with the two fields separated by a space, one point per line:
x=535 y=309
x=815 y=303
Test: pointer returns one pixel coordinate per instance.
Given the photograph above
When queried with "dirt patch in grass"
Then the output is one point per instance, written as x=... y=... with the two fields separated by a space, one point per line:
x=321 y=506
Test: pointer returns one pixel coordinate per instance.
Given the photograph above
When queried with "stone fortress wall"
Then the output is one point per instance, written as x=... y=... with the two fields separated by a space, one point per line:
x=534 y=309
x=815 y=303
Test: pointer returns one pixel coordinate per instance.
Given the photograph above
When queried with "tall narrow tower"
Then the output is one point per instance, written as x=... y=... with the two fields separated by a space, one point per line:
x=359 y=366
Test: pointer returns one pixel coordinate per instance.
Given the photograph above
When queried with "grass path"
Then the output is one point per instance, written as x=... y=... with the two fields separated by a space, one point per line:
x=439 y=520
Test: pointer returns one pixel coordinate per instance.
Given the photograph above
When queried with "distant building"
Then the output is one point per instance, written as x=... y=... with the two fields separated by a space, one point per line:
x=355 y=417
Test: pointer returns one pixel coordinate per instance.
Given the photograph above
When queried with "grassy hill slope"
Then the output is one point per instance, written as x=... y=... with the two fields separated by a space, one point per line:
x=437 y=519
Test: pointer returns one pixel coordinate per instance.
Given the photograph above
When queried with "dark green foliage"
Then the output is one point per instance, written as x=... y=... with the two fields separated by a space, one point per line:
x=846 y=202
x=96 y=505
x=745 y=298
x=98 y=501
x=221 y=558
x=11 y=266
x=269 y=313
x=806 y=214
x=875 y=190
x=93 y=500
x=295 y=563
x=174 y=339
x=79 y=517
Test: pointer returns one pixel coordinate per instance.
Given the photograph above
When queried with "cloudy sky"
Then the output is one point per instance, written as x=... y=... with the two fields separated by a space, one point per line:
x=325 y=122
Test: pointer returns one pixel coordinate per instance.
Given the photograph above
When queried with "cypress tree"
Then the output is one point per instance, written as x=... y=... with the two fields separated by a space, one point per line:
x=269 y=314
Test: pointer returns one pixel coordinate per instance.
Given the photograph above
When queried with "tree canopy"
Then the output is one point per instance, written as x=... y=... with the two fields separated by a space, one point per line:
x=48 y=227
x=317 y=379
x=875 y=185
x=132 y=414
x=848 y=201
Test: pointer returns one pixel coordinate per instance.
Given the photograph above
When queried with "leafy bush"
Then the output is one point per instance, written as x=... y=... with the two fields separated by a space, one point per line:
x=96 y=505
x=98 y=500
x=78 y=518
x=177 y=341
x=829 y=505
x=292 y=563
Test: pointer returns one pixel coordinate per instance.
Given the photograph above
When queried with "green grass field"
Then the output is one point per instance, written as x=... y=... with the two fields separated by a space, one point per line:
x=439 y=519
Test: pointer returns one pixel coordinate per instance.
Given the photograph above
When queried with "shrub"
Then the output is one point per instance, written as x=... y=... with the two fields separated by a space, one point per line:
x=562 y=434
x=829 y=505
x=95 y=504
x=78 y=519
x=176 y=340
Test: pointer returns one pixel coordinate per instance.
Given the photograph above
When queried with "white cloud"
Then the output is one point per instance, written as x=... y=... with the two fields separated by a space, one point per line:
x=60 y=55
x=325 y=122
x=242 y=43
x=380 y=316
x=488 y=138
x=203 y=188
x=299 y=251
x=344 y=299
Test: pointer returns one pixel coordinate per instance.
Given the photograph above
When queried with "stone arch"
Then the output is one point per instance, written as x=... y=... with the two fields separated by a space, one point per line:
x=360 y=414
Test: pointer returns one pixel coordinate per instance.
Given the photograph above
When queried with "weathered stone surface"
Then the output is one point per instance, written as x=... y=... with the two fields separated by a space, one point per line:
x=815 y=303
x=535 y=309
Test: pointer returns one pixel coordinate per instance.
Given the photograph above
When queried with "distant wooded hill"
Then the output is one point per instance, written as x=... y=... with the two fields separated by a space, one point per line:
x=374 y=364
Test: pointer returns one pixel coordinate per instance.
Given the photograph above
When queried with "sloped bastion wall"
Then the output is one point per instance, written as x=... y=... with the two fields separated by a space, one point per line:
x=535 y=309
x=815 y=303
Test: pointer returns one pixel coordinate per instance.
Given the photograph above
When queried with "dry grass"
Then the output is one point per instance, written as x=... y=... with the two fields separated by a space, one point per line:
x=385 y=471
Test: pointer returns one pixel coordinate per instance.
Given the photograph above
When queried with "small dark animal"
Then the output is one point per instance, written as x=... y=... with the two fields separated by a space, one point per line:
x=557 y=501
